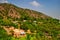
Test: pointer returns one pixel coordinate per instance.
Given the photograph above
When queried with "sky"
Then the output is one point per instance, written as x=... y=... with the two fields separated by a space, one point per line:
x=48 y=7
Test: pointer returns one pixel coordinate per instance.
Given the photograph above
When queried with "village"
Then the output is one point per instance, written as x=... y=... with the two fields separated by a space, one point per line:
x=16 y=32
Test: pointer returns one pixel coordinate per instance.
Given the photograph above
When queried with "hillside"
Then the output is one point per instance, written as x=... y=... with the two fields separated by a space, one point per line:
x=47 y=28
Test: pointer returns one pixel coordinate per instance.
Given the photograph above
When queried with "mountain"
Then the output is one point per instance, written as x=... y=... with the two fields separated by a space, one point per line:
x=14 y=11
x=45 y=26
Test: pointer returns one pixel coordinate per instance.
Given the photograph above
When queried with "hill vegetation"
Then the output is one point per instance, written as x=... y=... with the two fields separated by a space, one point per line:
x=45 y=27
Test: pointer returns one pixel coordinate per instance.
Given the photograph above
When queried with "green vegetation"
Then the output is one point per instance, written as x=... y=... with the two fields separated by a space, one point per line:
x=46 y=28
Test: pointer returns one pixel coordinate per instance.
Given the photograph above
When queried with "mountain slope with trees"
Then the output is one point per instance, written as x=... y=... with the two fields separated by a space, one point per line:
x=46 y=27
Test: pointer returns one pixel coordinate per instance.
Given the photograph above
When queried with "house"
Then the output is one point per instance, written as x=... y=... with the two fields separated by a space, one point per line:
x=19 y=33
x=24 y=20
x=8 y=29
x=22 y=33
x=29 y=31
x=34 y=21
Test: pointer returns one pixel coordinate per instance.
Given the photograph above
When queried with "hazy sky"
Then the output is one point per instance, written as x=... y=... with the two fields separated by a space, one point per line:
x=48 y=7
